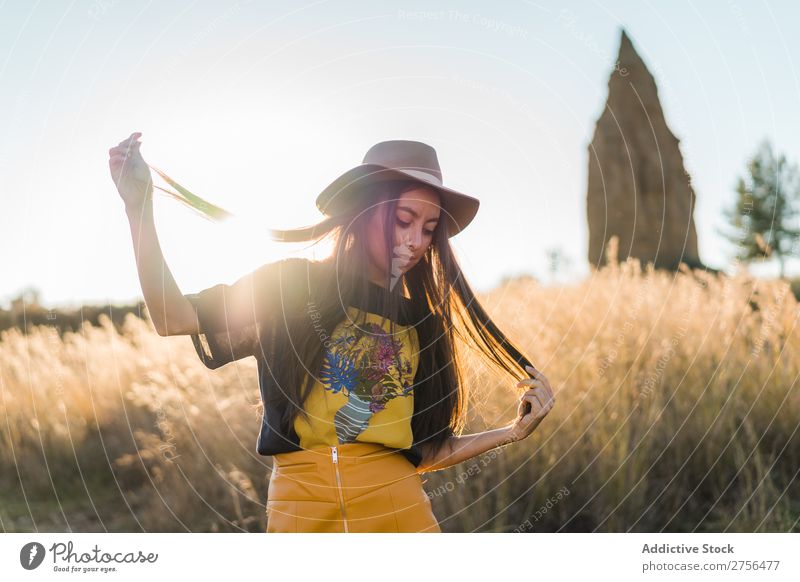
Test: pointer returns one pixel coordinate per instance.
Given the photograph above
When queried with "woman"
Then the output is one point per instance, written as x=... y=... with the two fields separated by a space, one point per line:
x=361 y=383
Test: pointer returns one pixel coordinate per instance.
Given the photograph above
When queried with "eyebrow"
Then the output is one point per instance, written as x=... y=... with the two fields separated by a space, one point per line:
x=415 y=214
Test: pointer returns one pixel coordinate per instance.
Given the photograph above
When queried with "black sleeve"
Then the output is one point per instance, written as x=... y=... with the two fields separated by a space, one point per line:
x=232 y=316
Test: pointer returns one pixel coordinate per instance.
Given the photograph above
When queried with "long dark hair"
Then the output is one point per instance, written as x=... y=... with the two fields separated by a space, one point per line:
x=443 y=307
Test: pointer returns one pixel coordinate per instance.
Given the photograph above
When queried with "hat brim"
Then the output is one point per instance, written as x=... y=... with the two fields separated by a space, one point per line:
x=457 y=208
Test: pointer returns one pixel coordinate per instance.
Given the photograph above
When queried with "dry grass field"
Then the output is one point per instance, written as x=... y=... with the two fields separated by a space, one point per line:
x=678 y=410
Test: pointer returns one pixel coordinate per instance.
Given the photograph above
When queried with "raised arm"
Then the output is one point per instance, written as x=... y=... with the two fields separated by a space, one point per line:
x=170 y=311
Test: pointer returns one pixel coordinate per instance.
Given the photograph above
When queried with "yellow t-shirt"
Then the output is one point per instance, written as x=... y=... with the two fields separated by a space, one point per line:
x=363 y=391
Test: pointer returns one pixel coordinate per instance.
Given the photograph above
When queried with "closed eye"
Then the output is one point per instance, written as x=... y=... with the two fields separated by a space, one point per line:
x=407 y=224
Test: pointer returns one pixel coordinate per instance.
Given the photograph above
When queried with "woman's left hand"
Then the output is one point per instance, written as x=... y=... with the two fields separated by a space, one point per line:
x=541 y=398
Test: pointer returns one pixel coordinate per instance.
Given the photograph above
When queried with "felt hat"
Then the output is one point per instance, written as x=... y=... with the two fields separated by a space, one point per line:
x=399 y=160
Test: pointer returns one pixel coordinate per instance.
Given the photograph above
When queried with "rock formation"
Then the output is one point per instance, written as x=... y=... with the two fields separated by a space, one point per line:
x=638 y=188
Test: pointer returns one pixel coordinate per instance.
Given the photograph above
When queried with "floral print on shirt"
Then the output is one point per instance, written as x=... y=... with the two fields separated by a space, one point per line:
x=367 y=365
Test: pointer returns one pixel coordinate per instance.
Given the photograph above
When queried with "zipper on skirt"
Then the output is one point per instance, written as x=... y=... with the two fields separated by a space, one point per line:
x=335 y=457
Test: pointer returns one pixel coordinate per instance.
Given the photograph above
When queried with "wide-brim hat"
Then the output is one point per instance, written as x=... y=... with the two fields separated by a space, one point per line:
x=398 y=160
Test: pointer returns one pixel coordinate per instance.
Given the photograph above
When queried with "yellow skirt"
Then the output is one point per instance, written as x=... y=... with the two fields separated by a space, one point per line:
x=352 y=487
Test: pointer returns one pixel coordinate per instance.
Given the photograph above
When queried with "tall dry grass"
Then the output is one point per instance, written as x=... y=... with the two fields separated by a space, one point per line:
x=678 y=410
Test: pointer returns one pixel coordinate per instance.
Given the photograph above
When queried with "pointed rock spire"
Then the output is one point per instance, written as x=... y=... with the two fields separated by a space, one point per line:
x=638 y=188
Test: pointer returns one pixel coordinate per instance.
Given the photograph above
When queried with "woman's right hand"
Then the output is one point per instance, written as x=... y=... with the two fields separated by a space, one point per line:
x=534 y=405
x=130 y=172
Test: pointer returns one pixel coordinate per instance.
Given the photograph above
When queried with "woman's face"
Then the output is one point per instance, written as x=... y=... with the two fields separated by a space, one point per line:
x=416 y=216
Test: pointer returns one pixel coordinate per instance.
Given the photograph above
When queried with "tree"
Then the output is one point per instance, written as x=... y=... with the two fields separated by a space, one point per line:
x=765 y=208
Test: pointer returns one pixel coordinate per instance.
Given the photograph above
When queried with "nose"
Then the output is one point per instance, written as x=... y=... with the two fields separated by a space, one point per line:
x=415 y=240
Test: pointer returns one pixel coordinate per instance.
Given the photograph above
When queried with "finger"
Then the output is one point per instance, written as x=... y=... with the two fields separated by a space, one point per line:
x=120 y=159
x=526 y=406
x=539 y=389
x=545 y=382
x=536 y=373
x=541 y=411
x=127 y=153
x=546 y=391
x=544 y=397
x=530 y=382
x=123 y=150
x=536 y=404
x=539 y=375
x=521 y=408
x=541 y=395
x=544 y=379
x=130 y=139
x=534 y=414
x=548 y=404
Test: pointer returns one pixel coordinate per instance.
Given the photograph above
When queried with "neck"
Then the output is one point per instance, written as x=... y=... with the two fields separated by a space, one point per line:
x=379 y=282
x=375 y=276
x=385 y=287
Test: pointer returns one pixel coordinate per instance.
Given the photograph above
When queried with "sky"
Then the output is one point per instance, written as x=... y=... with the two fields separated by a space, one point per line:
x=257 y=106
